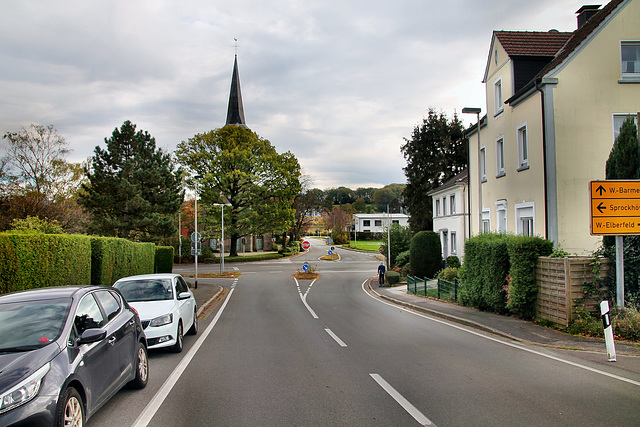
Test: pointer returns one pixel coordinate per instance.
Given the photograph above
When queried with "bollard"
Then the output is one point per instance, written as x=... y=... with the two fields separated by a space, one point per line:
x=608 y=331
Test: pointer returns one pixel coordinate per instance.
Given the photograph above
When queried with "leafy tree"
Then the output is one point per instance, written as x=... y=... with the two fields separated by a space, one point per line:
x=134 y=190
x=244 y=170
x=435 y=153
x=390 y=195
x=400 y=239
x=340 y=195
x=306 y=203
x=425 y=252
x=36 y=179
x=360 y=205
x=35 y=224
x=365 y=193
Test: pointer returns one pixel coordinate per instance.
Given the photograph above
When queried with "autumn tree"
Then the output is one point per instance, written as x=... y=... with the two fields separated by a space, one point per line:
x=243 y=170
x=435 y=153
x=134 y=189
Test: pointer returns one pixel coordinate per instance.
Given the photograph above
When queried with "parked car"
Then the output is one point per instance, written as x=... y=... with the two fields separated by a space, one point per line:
x=166 y=307
x=64 y=351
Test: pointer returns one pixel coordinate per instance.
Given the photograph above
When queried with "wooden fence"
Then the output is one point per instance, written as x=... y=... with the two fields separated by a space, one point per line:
x=560 y=282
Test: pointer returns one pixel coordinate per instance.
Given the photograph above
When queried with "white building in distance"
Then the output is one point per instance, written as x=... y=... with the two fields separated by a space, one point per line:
x=378 y=222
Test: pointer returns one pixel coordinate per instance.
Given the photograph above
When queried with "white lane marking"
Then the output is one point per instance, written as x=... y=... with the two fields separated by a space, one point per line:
x=406 y=405
x=304 y=297
x=152 y=407
x=510 y=344
x=335 y=337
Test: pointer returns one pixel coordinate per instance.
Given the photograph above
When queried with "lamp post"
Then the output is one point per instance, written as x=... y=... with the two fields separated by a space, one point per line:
x=222 y=245
x=197 y=236
x=476 y=111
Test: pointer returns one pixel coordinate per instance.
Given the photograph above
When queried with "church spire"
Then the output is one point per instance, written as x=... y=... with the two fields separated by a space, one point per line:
x=235 y=111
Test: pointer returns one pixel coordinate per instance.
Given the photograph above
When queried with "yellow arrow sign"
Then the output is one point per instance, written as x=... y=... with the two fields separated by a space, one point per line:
x=615 y=207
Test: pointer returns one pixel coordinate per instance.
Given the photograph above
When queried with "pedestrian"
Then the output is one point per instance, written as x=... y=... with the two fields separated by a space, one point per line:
x=381 y=269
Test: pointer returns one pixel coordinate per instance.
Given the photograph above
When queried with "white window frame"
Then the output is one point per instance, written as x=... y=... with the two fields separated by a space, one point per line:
x=452 y=204
x=522 y=135
x=500 y=157
x=501 y=216
x=525 y=219
x=453 y=248
x=620 y=119
x=483 y=163
x=486 y=220
x=498 y=105
x=438 y=207
x=444 y=206
x=624 y=65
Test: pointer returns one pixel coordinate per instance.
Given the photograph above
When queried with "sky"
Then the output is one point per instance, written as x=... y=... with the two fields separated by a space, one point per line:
x=339 y=83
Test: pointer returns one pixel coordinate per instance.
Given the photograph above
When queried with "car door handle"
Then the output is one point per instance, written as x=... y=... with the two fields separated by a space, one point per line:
x=112 y=340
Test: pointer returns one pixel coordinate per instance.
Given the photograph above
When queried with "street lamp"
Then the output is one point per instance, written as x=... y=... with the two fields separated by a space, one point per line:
x=197 y=236
x=222 y=245
x=476 y=111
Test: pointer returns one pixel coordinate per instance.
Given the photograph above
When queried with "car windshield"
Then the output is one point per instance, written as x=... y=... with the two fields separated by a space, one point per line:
x=145 y=289
x=31 y=324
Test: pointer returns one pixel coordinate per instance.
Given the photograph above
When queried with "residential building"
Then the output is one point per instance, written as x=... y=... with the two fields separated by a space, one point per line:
x=378 y=222
x=451 y=214
x=555 y=102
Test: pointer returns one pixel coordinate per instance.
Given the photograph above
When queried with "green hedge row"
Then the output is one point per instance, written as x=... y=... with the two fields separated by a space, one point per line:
x=34 y=260
x=498 y=272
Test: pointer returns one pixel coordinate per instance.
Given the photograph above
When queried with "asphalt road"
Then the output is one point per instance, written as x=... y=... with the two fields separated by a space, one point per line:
x=277 y=351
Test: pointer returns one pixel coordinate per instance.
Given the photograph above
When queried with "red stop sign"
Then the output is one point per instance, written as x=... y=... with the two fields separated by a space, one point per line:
x=306 y=244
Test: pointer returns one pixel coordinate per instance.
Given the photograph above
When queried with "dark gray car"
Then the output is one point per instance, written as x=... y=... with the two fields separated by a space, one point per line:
x=64 y=351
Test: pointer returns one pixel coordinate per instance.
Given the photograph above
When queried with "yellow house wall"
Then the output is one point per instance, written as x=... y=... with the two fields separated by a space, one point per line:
x=587 y=95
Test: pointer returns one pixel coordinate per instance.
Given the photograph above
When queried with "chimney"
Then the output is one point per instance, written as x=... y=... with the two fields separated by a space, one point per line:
x=586 y=12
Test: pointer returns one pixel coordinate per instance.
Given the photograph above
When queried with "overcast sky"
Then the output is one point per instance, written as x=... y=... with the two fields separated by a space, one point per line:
x=337 y=83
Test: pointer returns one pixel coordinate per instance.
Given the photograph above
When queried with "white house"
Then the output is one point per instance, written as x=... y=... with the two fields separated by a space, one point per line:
x=378 y=222
x=451 y=214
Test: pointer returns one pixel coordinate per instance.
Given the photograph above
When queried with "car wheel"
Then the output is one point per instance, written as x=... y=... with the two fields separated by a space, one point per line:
x=70 y=409
x=194 y=328
x=142 y=368
x=177 y=348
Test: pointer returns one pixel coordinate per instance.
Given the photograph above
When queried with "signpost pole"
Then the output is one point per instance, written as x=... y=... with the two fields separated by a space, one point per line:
x=620 y=271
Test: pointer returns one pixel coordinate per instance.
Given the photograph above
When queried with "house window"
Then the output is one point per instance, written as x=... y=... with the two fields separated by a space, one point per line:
x=378 y=223
x=395 y=221
x=497 y=97
x=444 y=206
x=630 y=56
x=483 y=163
x=366 y=223
x=486 y=221
x=523 y=148
x=454 y=248
x=618 y=120
x=501 y=213
x=437 y=207
x=500 y=157
x=452 y=204
x=524 y=219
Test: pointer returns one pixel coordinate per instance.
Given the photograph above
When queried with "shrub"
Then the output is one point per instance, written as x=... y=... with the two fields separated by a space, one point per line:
x=425 y=254
x=626 y=324
x=453 y=261
x=403 y=258
x=449 y=274
x=35 y=224
x=523 y=290
x=399 y=238
x=164 y=259
x=393 y=277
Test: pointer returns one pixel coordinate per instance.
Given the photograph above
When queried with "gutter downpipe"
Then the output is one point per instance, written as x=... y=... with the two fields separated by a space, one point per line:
x=544 y=160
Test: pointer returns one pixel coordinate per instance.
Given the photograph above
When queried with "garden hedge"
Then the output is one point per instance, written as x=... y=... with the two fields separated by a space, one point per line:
x=113 y=258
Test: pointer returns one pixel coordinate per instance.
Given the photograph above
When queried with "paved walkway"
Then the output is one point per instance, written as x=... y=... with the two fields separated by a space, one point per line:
x=504 y=326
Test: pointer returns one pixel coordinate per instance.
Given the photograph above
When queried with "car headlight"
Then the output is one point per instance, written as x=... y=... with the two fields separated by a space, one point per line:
x=162 y=320
x=23 y=392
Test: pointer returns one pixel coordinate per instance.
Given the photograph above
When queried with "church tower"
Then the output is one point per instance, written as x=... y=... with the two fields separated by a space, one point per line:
x=235 y=111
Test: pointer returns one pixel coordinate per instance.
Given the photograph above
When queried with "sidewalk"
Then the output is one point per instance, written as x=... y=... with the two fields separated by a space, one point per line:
x=503 y=326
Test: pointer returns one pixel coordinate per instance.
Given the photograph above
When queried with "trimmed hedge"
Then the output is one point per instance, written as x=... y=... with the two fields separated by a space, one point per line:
x=164 y=259
x=113 y=258
x=393 y=277
x=36 y=260
x=425 y=252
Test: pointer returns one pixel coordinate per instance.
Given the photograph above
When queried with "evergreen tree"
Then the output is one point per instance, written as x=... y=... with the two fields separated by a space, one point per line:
x=244 y=170
x=624 y=160
x=435 y=153
x=134 y=190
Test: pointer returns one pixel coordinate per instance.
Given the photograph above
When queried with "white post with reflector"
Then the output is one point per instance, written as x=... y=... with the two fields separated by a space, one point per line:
x=608 y=331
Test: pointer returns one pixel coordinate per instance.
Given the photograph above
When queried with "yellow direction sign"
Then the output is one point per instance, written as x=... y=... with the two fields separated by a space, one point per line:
x=615 y=207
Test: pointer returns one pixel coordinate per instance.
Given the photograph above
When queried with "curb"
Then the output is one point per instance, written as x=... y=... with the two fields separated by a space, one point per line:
x=210 y=301
x=435 y=313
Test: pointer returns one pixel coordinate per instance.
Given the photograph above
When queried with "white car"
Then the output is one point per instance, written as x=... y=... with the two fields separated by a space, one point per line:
x=166 y=307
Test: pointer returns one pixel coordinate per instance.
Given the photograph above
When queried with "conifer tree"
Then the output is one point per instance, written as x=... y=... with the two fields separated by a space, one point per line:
x=134 y=190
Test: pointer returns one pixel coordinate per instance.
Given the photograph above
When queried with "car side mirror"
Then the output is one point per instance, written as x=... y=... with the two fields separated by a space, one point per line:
x=92 y=335
x=184 y=295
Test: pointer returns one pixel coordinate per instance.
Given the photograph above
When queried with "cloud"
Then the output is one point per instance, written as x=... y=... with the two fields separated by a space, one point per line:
x=337 y=83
